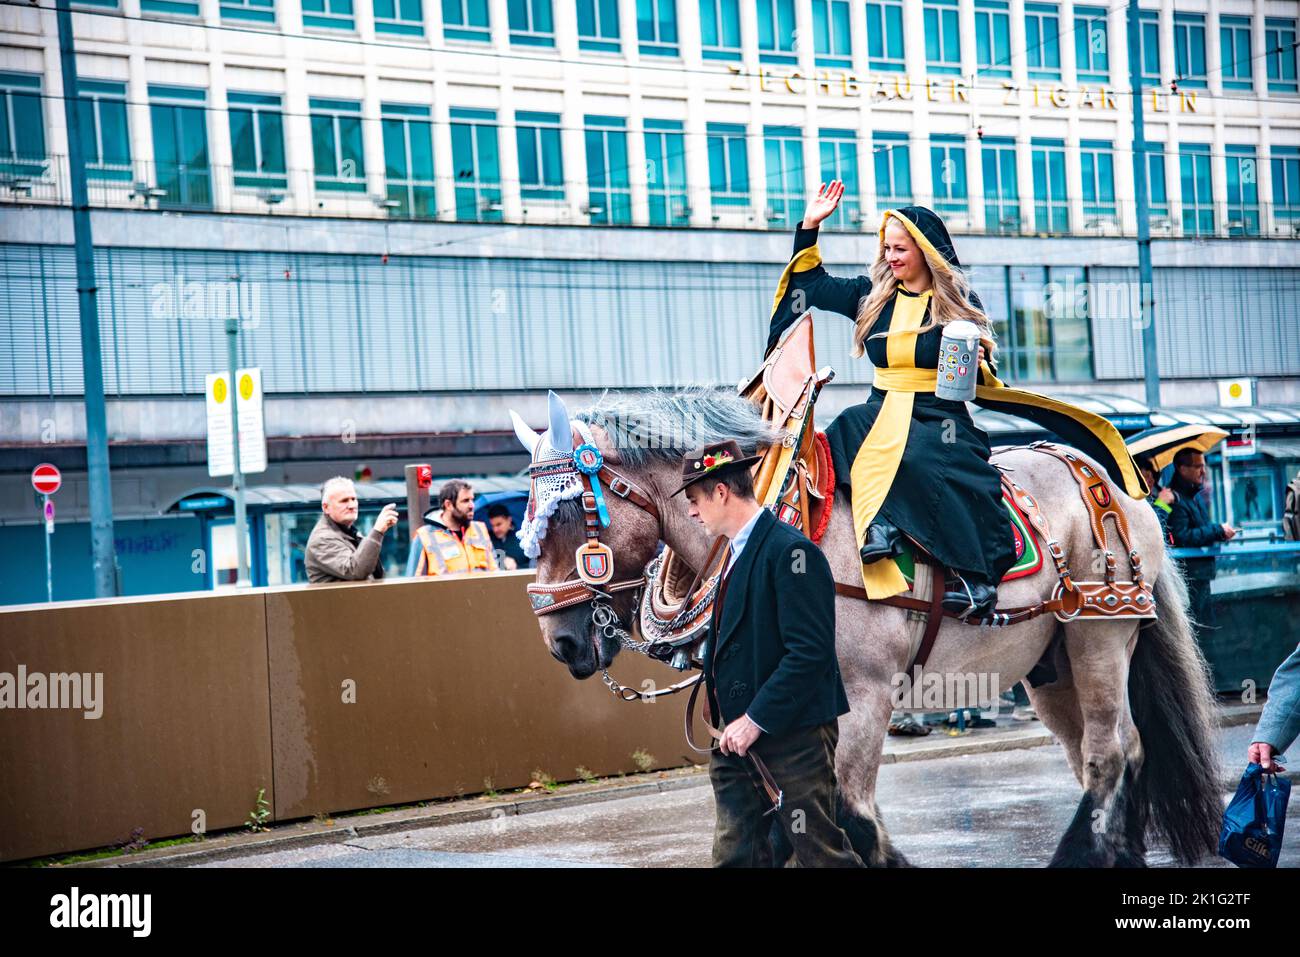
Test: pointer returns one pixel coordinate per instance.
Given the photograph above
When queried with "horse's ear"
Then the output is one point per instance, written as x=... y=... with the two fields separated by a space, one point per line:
x=526 y=436
x=561 y=432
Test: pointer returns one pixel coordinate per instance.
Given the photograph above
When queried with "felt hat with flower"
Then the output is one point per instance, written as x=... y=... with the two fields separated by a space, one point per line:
x=711 y=460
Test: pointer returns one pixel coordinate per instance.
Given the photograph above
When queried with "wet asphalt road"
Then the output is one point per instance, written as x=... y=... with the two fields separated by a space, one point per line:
x=1003 y=809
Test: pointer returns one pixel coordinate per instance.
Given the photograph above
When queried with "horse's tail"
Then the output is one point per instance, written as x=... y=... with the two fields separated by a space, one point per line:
x=1173 y=707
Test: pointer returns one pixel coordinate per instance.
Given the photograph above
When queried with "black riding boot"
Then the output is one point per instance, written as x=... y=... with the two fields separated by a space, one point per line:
x=973 y=598
x=883 y=541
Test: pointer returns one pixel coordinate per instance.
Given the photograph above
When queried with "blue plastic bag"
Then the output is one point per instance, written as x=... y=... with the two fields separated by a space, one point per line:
x=1255 y=819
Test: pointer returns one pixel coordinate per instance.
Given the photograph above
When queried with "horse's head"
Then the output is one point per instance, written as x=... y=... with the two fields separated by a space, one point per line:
x=581 y=621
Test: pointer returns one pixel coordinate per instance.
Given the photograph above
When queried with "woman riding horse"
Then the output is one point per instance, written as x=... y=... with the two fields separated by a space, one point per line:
x=911 y=463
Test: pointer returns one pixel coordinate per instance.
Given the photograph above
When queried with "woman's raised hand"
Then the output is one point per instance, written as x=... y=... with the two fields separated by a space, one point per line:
x=823 y=204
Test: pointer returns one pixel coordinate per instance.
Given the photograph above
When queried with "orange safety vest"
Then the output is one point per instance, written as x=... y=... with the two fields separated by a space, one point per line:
x=444 y=552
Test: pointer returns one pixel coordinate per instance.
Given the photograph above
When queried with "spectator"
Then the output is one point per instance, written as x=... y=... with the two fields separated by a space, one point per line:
x=452 y=541
x=510 y=554
x=1161 y=499
x=335 y=550
x=1279 y=723
x=1190 y=527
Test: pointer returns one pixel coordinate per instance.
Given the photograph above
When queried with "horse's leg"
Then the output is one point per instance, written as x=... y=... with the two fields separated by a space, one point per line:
x=1108 y=826
x=857 y=759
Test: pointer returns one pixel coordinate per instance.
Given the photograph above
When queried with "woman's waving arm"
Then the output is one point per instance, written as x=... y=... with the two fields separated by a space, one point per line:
x=805 y=283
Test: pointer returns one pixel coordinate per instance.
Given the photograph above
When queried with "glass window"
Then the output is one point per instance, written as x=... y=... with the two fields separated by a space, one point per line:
x=255 y=11
x=665 y=153
x=477 y=164
x=1285 y=163
x=1234 y=52
x=541 y=167
x=257 y=140
x=942 y=36
x=776 y=31
x=1051 y=205
x=598 y=26
x=832 y=45
x=22 y=127
x=1189 y=49
x=656 y=27
x=1042 y=41
x=105 y=140
x=466 y=20
x=1091 y=49
x=1157 y=190
x=720 y=29
x=172 y=8
x=531 y=23
x=993 y=37
x=1198 y=203
x=337 y=146
x=1097 y=165
x=728 y=165
x=783 y=163
x=1254 y=500
x=408 y=161
x=893 y=162
x=948 y=174
x=1241 y=169
x=404 y=17
x=885 y=35
x=1150 y=42
x=1047 y=336
x=1001 y=194
x=328 y=14
x=607 y=175
x=180 y=146
x=1280 y=55
x=838 y=151
x=1027 y=347
x=1068 y=317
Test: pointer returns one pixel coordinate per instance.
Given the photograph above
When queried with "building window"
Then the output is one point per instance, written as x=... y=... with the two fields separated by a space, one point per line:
x=1285 y=163
x=1157 y=190
x=1149 y=38
x=720 y=29
x=477 y=164
x=328 y=14
x=832 y=45
x=839 y=160
x=404 y=17
x=728 y=165
x=1189 y=49
x=255 y=11
x=1281 y=52
x=783 y=162
x=665 y=154
x=1046 y=336
x=111 y=4
x=656 y=27
x=942 y=36
x=610 y=194
x=776 y=31
x=948 y=174
x=171 y=8
x=1234 y=52
x=1198 y=202
x=1241 y=168
x=466 y=20
x=541 y=166
x=993 y=37
x=105 y=140
x=893 y=162
x=1097 y=166
x=885 y=35
x=531 y=23
x=408 y=161
x=1042 y=41
x=1091 y=45
x=337 y=146
x=22 y=127
x=1051 y=204
x=598 y=26
x=1001 y=193
x=257 y=140
x=180 y=146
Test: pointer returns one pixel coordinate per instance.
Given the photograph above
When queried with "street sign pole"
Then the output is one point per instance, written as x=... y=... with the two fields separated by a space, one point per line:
x=237 y=476
x=1146 y=287
x=46 y=511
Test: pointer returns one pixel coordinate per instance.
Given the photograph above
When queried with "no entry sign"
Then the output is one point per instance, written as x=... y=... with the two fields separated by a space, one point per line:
x=46 y=479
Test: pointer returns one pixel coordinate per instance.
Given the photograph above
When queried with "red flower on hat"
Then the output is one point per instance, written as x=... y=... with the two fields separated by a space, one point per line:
x=708 y=461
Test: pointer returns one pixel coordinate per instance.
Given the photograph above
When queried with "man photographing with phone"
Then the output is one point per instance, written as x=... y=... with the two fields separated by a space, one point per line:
x=336 y=552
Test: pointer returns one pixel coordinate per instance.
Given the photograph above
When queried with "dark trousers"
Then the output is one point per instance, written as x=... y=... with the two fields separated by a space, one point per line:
x=803 y=765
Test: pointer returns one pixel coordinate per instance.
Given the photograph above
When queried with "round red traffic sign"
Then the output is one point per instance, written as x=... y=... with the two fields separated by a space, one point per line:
x=46 y=479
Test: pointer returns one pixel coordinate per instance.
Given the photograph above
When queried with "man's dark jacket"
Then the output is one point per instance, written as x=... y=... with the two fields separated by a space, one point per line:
x=1190 y=526
x=773 y=655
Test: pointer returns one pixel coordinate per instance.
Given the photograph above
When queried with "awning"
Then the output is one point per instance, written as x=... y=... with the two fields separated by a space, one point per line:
x=1280 y=448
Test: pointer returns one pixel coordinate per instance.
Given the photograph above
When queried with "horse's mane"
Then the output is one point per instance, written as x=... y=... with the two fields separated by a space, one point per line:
x=649 y=426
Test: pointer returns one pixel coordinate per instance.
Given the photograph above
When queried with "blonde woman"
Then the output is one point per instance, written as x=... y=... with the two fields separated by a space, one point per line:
x=915 y=465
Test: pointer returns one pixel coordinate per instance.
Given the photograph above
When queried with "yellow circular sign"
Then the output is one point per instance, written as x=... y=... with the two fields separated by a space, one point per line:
x=1234 y=390
x=246 y=386
x=219 y=390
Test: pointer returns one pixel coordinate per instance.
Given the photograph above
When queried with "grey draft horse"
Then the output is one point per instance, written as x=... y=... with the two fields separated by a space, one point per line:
x=1131 y=705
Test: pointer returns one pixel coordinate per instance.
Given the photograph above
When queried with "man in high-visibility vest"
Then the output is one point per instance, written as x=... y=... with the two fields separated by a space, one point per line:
x=452 y=541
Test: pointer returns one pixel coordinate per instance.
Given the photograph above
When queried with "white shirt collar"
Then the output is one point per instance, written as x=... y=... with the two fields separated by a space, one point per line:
x=742 y=536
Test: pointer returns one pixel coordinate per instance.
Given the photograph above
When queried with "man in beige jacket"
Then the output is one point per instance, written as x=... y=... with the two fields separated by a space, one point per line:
x=335 y=550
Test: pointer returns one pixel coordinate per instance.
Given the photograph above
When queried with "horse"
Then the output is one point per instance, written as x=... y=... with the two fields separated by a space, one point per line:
x=1130 y=704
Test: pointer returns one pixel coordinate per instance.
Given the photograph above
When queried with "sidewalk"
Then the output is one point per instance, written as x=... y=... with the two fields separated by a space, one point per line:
x=1007 y=736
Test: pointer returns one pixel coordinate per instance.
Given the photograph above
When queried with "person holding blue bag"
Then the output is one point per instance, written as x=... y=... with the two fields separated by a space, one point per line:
x=1255 y=818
